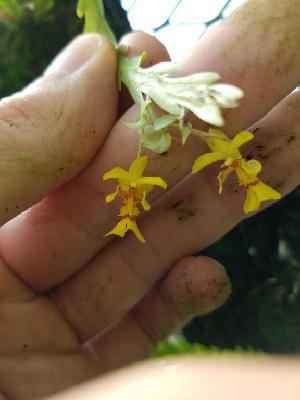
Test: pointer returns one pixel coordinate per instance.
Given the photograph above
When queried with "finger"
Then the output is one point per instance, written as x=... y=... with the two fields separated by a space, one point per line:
x=44 y=140
x=206 y=377
x=138 y=43
x=238 y=52
x=54 y=239
x=195 y=286
x=189 y=218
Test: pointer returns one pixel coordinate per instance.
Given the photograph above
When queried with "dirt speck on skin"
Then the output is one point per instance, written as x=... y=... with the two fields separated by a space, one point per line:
x=271 y=153
x=186 y=214
x=260 y=147
x=95 y=294
x=217 y=287
x=279 y=185
x=183 y=207
x=175 y=168
x=188 y=287
x=259 y=152
x=173 y=205
x=291 y=138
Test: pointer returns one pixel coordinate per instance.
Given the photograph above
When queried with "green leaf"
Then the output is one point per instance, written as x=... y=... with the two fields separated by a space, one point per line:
x=95 y=21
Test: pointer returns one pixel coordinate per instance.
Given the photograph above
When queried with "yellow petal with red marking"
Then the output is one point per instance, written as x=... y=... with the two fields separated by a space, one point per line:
x=124 y=226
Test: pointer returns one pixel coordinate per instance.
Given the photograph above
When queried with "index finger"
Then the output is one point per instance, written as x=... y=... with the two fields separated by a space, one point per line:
x=257 y=49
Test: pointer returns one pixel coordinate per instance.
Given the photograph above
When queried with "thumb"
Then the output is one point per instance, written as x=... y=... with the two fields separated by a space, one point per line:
x=52 y=129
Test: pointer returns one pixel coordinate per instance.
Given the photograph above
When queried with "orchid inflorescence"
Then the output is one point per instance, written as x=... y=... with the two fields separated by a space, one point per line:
x=200 y=94
x=165 y=102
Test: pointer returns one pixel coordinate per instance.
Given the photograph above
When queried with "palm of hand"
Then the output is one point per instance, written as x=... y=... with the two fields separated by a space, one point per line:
x=40 y=352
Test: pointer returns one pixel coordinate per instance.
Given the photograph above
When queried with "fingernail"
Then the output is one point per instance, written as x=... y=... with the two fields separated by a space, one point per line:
x=75 y=54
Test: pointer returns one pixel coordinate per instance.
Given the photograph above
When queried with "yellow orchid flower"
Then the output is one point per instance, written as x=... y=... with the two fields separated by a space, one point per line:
x=132 y=184
x=257 y=191
x=228 y=150
x=225 y=149
x=133 y=188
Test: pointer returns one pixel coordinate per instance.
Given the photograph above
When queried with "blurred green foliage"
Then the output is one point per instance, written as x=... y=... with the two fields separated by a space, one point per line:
x=33 y=32
x=16 y=10
x=261 y=255
x=178 y=345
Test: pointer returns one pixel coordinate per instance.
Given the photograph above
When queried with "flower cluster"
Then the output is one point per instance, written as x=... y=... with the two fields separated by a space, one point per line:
x=156 y=86
x=164 y=103
x=133 y=189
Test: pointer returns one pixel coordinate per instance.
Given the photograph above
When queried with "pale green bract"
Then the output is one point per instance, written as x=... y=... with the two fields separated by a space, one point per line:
x=198 y=93
x=128 y=70
x=93 y=12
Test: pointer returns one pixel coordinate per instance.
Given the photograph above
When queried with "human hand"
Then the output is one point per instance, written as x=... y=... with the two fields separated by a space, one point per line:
x=50 y=133
x=51 y=244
